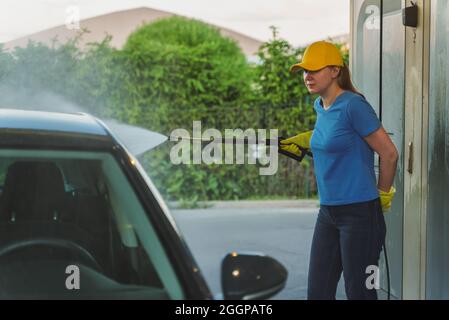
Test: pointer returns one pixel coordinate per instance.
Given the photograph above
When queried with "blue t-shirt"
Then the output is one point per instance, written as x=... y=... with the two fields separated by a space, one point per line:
x=343 y=160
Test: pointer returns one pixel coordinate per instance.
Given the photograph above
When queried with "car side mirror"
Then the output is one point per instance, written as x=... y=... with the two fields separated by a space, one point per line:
x=251 y=276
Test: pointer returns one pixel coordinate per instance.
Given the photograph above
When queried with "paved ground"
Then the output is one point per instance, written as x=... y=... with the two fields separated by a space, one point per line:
x=281 y=229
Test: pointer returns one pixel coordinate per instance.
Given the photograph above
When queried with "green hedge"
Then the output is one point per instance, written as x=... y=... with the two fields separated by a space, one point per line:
x=169 y=74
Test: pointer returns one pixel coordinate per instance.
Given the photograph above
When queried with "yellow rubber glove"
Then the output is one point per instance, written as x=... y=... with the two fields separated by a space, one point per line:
x=302 y=140
x=386 y=198
x=291 y=148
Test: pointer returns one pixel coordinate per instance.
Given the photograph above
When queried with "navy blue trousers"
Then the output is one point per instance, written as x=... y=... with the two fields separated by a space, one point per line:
x=348 y=239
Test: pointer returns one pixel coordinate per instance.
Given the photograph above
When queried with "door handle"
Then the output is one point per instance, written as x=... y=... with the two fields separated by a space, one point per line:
x=410 y=158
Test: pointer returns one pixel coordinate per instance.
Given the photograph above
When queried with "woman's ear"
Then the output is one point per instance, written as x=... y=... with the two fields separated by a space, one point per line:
x=335 y=72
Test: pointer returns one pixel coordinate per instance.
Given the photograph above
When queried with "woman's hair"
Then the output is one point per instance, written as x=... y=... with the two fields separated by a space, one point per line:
x=344 y=80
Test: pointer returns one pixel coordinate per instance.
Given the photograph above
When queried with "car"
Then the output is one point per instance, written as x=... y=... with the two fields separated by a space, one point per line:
x=81 y=219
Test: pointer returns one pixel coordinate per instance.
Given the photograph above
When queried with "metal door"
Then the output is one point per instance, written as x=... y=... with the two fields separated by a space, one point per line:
x=378 y=65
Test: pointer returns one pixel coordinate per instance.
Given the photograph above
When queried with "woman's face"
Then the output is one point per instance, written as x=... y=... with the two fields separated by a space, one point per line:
x=319 y=81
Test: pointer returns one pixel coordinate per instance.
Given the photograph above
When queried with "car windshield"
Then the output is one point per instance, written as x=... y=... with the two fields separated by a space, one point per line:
x=71 y=226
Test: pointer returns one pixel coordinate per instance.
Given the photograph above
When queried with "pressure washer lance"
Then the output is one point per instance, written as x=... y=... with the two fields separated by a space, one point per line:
x=247 y=141
x=304 y=152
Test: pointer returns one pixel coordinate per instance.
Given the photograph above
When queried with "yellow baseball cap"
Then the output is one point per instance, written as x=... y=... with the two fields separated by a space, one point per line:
x=319 y=55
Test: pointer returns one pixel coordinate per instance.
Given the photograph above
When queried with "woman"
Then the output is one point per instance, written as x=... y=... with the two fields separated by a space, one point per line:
x=350 y=228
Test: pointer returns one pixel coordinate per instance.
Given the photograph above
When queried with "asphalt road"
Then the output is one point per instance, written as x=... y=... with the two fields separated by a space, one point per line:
x=284 y=233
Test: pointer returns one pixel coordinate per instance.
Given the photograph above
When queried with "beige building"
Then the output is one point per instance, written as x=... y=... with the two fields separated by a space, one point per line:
x=120 y=25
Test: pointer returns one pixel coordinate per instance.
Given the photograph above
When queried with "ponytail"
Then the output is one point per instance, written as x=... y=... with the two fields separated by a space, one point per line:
x=344 y=80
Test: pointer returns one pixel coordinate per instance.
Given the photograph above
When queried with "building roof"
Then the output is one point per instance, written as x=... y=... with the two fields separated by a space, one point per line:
x=120 y=25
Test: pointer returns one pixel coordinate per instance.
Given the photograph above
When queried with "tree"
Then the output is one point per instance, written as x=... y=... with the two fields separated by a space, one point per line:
x=88 y=78
x=180 y=69
x=281 y=93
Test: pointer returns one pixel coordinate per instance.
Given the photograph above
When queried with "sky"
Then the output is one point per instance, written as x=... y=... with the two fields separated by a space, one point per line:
x=299 y=21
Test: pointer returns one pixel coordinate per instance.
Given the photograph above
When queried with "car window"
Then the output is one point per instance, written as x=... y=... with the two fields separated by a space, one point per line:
x=60 y=208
